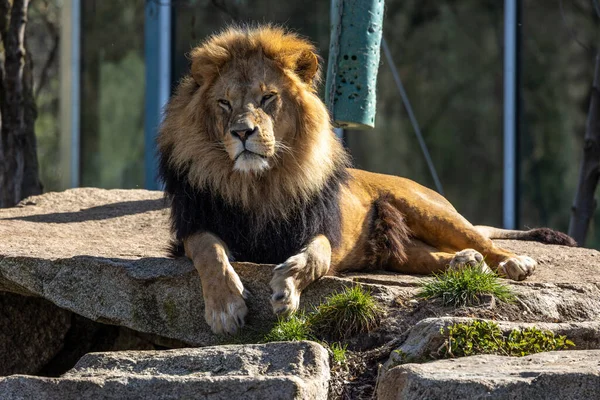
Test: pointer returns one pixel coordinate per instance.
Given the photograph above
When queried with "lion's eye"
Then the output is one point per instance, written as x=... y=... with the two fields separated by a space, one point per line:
x=225 y=104
x=267 y=99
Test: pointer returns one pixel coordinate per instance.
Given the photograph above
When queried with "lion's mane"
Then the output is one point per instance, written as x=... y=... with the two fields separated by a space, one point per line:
x=268 y=217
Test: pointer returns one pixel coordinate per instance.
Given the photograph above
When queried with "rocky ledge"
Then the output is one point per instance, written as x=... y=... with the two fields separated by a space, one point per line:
x=86 y=270
x=298 y=370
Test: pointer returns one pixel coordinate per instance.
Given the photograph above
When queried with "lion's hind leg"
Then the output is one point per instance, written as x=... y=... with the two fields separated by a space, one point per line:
x=297 y=272
x=443 y=228
x=422 y=258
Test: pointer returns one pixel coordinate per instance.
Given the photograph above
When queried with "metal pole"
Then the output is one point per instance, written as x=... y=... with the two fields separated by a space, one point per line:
x=70 y=89
x=511 y=113
x=157 y=48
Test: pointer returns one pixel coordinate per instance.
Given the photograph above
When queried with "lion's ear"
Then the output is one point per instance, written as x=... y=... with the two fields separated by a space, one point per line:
x=307 y=67
x=196 y=71
x=206 y=61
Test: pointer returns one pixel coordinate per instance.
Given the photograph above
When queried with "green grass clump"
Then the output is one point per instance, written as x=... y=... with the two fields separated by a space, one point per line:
x=345 y=314
x=339 y=352
x=485 y=337
x=292 y=328
x=341 y=316
x=465 y=287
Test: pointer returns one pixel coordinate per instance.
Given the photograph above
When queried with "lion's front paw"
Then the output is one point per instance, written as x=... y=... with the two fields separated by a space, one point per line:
x=225 y=308
x=517 y=268
x=286 y=296
x=470 y=258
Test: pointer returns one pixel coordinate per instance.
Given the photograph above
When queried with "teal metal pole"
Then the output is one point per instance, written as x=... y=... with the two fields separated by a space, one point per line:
x=353 y=62
x=157 y=50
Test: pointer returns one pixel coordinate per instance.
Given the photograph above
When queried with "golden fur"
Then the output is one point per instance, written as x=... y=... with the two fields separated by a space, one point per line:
x=304 y=152
x=248 y=136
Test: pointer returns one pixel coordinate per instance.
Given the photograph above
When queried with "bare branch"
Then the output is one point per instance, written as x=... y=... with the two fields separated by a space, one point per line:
x=4 y=13
x=584 y=204
x=54 y=33
x=19 y=168
x=569 y=28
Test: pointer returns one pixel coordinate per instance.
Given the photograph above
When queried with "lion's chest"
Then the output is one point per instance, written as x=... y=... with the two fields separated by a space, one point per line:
x=271 y=241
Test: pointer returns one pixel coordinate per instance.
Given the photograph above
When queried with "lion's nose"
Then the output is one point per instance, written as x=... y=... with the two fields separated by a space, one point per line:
x=243 y=133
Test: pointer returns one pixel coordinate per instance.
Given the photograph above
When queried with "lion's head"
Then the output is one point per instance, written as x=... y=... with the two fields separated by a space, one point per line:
x=248 y=124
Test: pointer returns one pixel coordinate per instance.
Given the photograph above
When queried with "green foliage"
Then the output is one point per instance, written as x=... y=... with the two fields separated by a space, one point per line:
x=339 y=352
x=342 y=315
x=477 y=337
x=345 y=314
x=292 y=328
x=534 y=340
x=485 y=337
x=465 y=287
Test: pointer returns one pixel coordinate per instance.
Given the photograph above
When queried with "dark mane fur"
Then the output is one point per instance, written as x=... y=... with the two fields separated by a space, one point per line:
x=198 y=210
x=388 y=233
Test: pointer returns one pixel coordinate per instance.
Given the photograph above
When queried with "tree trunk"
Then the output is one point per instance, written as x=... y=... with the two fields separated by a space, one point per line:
x=585 y=203
x=18 y=158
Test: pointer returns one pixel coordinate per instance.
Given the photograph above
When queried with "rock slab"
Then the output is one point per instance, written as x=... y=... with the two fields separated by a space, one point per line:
x=298 y=370
x=564 y=375
x=102 y=254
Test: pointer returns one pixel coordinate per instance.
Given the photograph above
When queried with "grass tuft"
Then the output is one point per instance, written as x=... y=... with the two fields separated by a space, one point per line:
x=290 y=329
x=339 y=352
x=341 y=316
x=345 y=314
x=465 y=287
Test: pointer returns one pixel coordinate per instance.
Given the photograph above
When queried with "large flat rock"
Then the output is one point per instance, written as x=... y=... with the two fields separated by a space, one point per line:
x=297 y=370
x=102 y=254
x=560 y=375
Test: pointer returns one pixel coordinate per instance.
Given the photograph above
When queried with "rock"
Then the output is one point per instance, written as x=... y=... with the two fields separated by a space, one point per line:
x=424 y=339
x=102 y=254
x=557 y=375
x=32 y=331
x=298 y=370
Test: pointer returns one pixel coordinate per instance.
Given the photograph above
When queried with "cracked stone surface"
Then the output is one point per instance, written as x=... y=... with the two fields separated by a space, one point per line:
x=564 y=375
x=101 y=254
x=298 y=370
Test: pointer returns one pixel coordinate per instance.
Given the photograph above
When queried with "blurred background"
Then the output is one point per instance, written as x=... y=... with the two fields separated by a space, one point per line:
x=97 y=108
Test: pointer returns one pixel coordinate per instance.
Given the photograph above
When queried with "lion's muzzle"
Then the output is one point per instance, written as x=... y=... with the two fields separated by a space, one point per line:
x=243 y=129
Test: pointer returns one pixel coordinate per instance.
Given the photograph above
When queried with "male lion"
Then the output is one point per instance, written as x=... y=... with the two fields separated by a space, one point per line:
x=254 y=173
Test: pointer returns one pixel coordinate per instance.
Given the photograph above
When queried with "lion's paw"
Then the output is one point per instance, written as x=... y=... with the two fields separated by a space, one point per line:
x=286 y=296
x=517 y=268
x=470 y=258
x=225 y=308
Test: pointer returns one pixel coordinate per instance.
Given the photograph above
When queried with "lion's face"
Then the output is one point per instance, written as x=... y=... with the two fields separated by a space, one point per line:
x=249 y=108
x=248 y=123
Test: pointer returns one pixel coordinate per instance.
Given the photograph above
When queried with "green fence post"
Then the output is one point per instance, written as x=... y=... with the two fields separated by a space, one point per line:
x=353 y=62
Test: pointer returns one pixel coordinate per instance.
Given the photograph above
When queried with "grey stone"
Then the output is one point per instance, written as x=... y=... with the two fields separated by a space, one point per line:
x=424 y=340
x=102 y=254
x=298 y=370
x=564 y=375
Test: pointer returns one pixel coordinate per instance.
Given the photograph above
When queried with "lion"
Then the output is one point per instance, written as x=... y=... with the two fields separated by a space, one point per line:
x=253 y=172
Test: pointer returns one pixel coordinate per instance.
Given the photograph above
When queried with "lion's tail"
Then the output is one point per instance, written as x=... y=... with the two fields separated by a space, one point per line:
x=544 y=235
